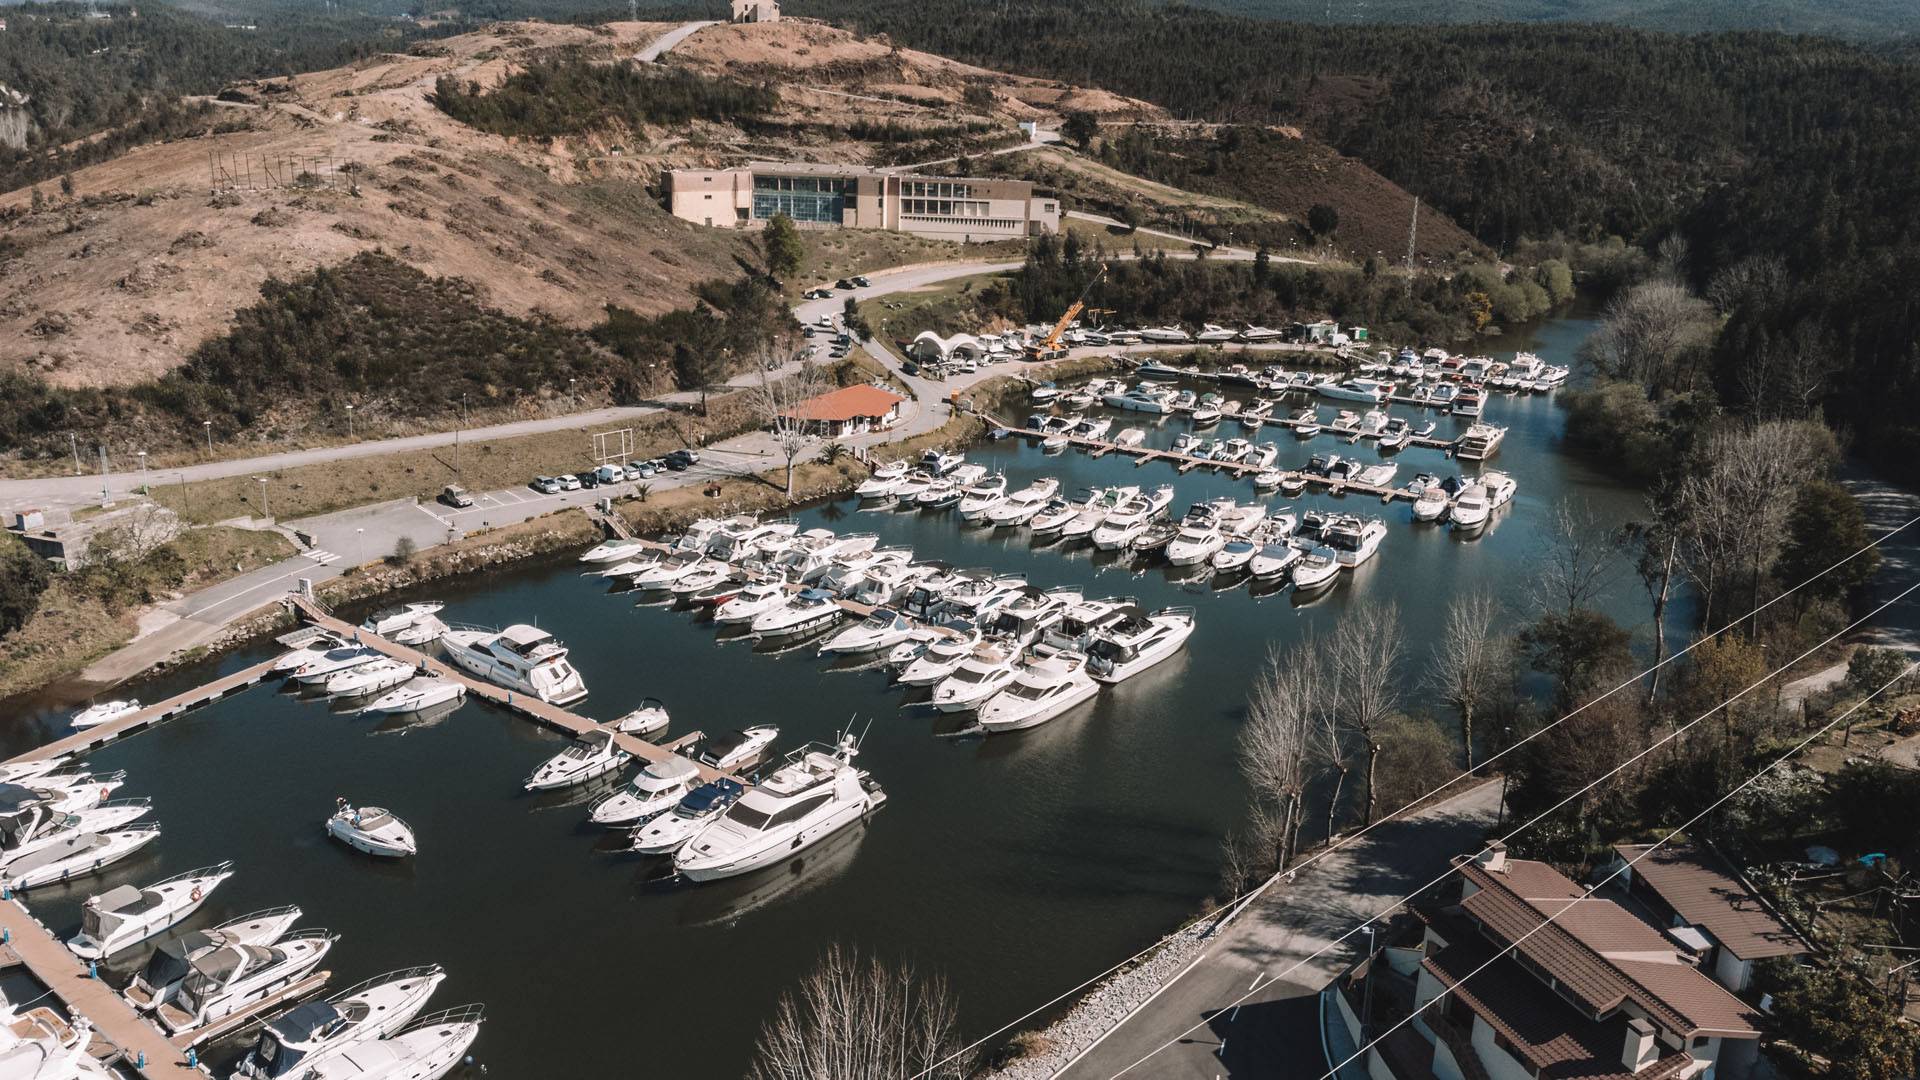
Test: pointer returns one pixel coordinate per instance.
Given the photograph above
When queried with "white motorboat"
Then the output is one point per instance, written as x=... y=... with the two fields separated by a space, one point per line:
x=1274 y=558
x=322 y=643
x=1164 y=335
x=632 y=567
x=406 y=625
x=594 y=753
x=1054 y=516
x=730 y=750
x=1469 y=402
x=382 y=674
x=907 y=491
x=42 y=1044
x=19 y=772
x=311 y=1033
x=884 y=480
x=1318 y=567
x=1432 y=502
x=740 y=544
x=1255 y=334
x=372 y=829
x=814 y=795
x=428 y=1050
x=1097 y=509
x=1471 y=507
x=232 y=977
x=1092 y=427
x=1025 y=617
x=1380 y=475
x=885 y=584
x=61 y=794
x=1214 y=335
x=104 y=712
x=1127 y=648
x=817 y=552
x=1045 y=391
x=1021 y=506
x=39 y=826
x=648 y=717
x=1267 y=479
x=1234 y=555
x=1129 y=519
x=1199 y=536
x=882 y=629
x=709 y=574
x=77 y=854
x=124 y=916
x=170 y=963
x=618 y=549
x=982 y=497
x=521 y=657
x=1500 y=488
x=1479 y=442
x=666 y=832
x=978 y=677
x=424 y=691
x=1130 y=438
x=1372 y=391
x=752 y=601
x=1203 y=415
x=849 y=571
x=1039 y=691
x=941 y=462
x=941 y=656
x=808 y=609
x=333 y=661
x=662 y=574
x=653 y=790
x=1143 y=399
x=1353 y=539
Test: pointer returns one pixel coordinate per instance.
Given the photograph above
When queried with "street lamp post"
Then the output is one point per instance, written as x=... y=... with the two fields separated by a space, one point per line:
x=207 y=425
x=458 y=430
x=74 y=441
x=573 y=399
x=265 y=510
x=143 y=467
x=349 y=422
x=1506 y=771
x=361 y=543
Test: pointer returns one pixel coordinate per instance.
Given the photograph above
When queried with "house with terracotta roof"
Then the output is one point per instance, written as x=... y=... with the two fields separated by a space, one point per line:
x=1710 y=907
x=1532 y=977
x=852 y=410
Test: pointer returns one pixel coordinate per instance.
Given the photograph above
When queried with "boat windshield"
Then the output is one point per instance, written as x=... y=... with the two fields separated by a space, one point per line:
x=746 y=816
x=1026 y=691
x=971 y=674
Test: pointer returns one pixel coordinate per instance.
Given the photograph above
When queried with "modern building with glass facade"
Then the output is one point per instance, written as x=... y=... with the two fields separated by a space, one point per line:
x=856 y=197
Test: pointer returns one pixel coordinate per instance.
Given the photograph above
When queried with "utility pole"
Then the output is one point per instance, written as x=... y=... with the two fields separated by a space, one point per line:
x=458 y=430
x=74 y=441
x=1413 y=236
x=106 y=490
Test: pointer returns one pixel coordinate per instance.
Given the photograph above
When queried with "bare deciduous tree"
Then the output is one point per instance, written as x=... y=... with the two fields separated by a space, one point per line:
x=1735 y=503
x=1367 y=650
x=1649 y=334
x=1471 y=664
x=782 y=406
x=854 y=1018
x=1577 y=558
x=1276 y=745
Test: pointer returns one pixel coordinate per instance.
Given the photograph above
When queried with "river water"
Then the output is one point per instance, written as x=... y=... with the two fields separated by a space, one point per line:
x=1017 y=866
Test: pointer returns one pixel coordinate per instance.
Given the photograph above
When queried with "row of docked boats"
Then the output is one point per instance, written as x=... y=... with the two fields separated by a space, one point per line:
x=59 y=822
x=1467 y=503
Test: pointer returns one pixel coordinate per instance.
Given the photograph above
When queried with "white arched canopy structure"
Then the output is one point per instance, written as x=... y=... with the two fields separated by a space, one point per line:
x=930 y=347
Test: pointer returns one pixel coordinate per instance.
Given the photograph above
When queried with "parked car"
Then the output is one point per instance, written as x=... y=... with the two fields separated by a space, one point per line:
x=839 y=353
x=546 y=485
x=843 y=283
x=568 y=483
x=825 y=321
x=817 y=294
x=861 y=282
x=456 y=496
x=588 y=479
x=639 y=470
x=687 y=452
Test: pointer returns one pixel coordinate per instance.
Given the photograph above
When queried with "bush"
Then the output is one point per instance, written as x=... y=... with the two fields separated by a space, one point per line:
x=403 y=552
x=567 y=96
x=23 y=577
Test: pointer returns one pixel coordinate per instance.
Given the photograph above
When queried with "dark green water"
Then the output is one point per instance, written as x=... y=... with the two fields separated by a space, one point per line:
x=1018 y=866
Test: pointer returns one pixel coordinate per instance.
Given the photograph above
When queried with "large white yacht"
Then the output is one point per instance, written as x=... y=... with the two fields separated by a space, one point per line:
x=1372 y=391
x=1125 y=650
x=1354 y=539
x=1200 y=535
x=232 y=977
x=978 y=677
x=124 y=916
x=814 y=795
x=521 y=657
x=42 y=1045
x=318 y=1030
x=168 y=967
x=653 y=790
x=1038 y=692
x=428 y=1050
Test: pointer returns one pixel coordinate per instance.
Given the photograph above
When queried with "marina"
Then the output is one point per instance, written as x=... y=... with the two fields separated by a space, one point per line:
x=1041 y=854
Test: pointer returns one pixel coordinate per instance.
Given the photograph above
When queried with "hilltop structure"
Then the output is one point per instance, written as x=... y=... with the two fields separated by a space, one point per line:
x=855 y=196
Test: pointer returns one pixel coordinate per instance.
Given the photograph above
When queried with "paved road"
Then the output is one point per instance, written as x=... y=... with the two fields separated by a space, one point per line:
x=669 y=39
x=1179 y=1033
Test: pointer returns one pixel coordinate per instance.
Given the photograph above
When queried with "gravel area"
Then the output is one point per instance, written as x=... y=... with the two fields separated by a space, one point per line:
x=1109 y=1003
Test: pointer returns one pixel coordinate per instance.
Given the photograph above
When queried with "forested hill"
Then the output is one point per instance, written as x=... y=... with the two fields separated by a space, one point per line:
x=1858 y=20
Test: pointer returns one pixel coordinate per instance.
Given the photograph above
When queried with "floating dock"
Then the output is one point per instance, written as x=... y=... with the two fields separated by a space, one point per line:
x=92 y=738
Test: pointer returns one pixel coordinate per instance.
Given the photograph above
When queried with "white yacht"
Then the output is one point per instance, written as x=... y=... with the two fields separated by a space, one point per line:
x=1372 y=391
x=1353 y=539
x=884 y=584
x=1255 y=334
x=1092 y=427
x=311 y=1033
x=653 y=790
x=412 y=624
x=423 y=692
x=1127 y=648
x=1039 y=690
x=1234 y=555
x=1500 y=488
x=644 y=719
x=595 y=753
x=1097 y=509
x=1054 y=516
x=808 y=609
x=1144 y=399
x=521 y=657
x=124 y=916
x=666 y=832
x=1274 y=558
x=662 y=574
x=1215 y=335
x=751 y=602
x=1199 y=537
x=1164 y=335
x=978 y=677
x=940 y=657
x=1021 y=506
x=332 y=661
x=814 y=795
x=709 y=574
x=1480 y=441
x=1471 y=507
x=321 y=643
x=730 y=750
x=40 y=1044
x=1131 y=518
x=382 y=674
x=232 y=977
x=615 y=550
x=104 y=712
x=1432 y=502
x=1317 y=568
x=372 y=829
x=814 y=557
x=167 y=968
x=906 y=493
x=982 y=496
x=1380 y=475
x=428 y=1050
x=884 y=480
x=883 y=628
x=38 y=827
x=1026 y=616
x=19 y=772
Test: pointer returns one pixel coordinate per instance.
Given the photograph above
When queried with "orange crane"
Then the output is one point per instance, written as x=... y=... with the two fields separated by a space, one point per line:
x=1049 y=347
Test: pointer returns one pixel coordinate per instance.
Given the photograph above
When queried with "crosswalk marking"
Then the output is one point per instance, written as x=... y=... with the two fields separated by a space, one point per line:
x=321 y=556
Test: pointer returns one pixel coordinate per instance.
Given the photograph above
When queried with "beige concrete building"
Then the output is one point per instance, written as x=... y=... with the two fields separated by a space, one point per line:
x=746 y=11
x=856 y=197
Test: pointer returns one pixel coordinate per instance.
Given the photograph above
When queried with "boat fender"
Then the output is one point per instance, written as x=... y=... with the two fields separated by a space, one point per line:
x=196 y=894
x=105 y=791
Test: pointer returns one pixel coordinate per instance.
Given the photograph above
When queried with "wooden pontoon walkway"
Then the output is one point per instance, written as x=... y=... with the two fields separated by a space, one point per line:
x=91 y=738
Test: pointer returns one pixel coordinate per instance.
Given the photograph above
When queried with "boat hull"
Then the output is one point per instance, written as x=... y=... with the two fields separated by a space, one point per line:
x=772 y=854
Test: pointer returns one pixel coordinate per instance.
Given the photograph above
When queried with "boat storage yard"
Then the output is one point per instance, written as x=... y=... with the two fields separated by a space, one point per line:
x=1056 y=628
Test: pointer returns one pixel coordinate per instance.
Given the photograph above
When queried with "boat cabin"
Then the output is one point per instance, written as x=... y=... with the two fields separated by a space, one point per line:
x=106 y=913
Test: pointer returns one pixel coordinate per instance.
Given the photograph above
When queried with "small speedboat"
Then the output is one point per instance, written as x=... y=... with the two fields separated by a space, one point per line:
x=124 y=916
x=1054 y=516
x=382 y=674
x=618 y=549
x=319 y=646
x=428 y=1050
x=372 y=829
x=413 y=624
x=77 y=854
x=1021 y=506
x=423 y=692
x=595 y=753
x=1155 y=538
x=701 y=578
x=311 y=1033
x=1234 y=555
x=1316 y=569
x=733 y=749
x=940 y=657
x=751 y=601
x=649 y=717
x=1471 y=507
x=695 y=810
x=979 y=498
x=883 y=481
x=653 y=790
x=1273 y=559
x=334 y=661
x=104 y=712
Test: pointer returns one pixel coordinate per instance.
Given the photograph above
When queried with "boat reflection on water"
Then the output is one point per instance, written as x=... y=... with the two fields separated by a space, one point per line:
x=727 y=900
x=401 y=723
x=558 y=798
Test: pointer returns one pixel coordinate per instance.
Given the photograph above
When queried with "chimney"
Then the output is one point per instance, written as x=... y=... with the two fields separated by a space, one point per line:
x=1494 y=859
x=1640 y=1049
